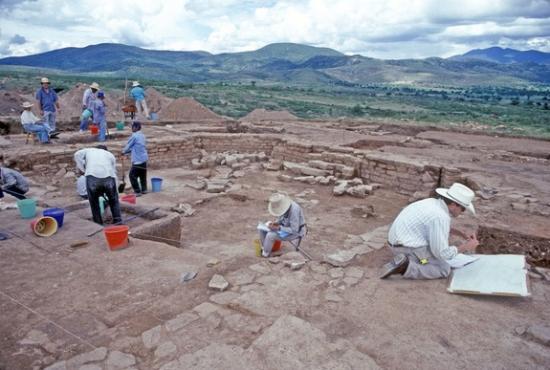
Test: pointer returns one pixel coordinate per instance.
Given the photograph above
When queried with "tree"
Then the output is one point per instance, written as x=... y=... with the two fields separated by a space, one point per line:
x=357 y=110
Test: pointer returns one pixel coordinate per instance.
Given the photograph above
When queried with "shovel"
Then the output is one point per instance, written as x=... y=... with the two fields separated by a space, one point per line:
x=122 y=185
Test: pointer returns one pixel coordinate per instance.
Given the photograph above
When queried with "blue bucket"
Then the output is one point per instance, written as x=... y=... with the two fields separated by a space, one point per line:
x=57 y=213
x=156 y=184
x=154 y=116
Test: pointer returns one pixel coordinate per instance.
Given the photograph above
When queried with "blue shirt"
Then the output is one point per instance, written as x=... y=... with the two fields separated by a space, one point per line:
x=46 y=99
x=137 y=93
x=136 y=144
x=98 y=110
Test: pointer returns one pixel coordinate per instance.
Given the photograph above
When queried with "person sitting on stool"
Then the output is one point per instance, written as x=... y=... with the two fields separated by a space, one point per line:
x=33 y=124
x=99 y=167
x=289 y=224
x=13 y=183
x=137 y=145
x=419 y=236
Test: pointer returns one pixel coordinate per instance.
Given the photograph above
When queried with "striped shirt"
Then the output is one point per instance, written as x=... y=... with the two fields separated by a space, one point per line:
x=425 y=223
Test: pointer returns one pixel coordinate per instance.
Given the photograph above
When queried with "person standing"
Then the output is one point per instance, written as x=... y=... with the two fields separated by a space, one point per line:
x=47 y=102
x=138 y=94
x=88 y=98
x=138 y=147
x=99 y=167
x=13 y=183
x=31 y=123
x=98 y=111
x=419 y=236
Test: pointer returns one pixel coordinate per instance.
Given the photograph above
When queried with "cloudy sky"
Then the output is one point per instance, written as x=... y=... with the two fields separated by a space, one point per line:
x=385 y=29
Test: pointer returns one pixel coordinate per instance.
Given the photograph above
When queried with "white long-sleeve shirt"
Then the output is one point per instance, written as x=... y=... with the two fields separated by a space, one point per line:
x=28 y=117
x=425 y=223
x=96 y=162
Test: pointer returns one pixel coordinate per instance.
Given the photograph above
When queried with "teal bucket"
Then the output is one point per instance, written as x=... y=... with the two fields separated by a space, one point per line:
x=102 y=202
x=156 y=184
x=57 y=213
x=27 y=208
x=120 y=126
x=86 y=114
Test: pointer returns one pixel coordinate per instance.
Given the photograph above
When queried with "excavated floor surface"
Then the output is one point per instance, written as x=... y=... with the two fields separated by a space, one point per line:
x=90 y=308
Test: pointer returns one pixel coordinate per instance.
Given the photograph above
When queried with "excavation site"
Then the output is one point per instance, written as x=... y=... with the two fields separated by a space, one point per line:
x=187 y=287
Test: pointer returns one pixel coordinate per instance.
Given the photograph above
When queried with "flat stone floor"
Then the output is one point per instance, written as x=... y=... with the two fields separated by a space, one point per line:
x=90 y=308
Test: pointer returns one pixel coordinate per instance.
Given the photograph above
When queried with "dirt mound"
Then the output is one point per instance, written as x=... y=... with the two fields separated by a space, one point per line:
x=71 y=103
x=156 y=101
x=187 y=109
x=10 y=103
x=258 y=115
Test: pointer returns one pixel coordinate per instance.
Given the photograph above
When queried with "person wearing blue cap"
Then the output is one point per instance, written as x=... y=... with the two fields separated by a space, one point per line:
x=137 y=145
x=98 y=109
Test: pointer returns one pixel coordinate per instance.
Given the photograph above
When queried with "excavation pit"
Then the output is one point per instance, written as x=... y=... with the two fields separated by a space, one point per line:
x=133 y=304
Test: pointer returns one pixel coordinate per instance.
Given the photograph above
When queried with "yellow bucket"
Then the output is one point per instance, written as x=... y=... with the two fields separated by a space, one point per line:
x=258 y=247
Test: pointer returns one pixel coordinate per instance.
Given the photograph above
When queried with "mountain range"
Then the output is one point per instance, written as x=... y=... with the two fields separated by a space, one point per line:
x=295 y=64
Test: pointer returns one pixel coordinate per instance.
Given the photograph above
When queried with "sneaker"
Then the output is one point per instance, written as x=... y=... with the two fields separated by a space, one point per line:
x=81 y=131
x=138 y=194
x=47 y=142
x=264 y=254
x=54 y=134
x=398 y=265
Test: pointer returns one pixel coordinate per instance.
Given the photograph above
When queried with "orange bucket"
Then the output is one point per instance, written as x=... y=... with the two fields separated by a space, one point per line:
x=129 y=198
x=116 y=236
x=94 y=130
x=276 y=246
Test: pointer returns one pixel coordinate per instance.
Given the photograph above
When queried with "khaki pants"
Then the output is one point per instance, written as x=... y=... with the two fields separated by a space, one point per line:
x=433 y=269
x=141 y=106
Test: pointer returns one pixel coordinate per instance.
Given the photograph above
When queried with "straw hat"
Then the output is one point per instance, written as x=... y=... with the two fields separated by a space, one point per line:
x=135 y=83
x=44 y=80
x=279 y=203
x=459 y=194
x=26 y=105
x=94 y=85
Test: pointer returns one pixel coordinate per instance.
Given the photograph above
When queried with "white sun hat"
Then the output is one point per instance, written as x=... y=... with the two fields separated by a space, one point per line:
x=279 y=203
x=135 y=83
x=26 y=105
x=44 y=80
x=94 y=85
x=459 y=194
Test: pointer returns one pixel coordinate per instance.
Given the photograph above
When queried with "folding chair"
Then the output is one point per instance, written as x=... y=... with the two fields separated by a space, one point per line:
x=296 y=242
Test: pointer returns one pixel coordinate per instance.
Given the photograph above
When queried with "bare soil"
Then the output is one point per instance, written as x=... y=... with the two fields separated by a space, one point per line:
x=58 y=302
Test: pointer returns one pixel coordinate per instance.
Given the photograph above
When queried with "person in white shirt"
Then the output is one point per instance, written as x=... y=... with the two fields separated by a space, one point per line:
x=31 y=123
x=81 y=189
x=419 y=236
x=99 y=167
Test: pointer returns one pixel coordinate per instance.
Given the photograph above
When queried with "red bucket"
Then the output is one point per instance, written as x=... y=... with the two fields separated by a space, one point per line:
x=116 y=236
x=94 y=130
x=276 y=246
x=129 y=198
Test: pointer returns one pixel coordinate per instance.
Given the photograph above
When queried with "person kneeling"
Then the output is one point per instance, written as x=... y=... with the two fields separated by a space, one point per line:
x=419 y=236
x=289 y=224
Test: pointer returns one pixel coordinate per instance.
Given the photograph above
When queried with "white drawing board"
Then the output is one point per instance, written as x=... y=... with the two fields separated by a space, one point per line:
x=501 y=274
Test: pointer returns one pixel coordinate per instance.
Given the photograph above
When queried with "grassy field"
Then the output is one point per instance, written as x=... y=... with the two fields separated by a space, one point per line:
x=518 y=111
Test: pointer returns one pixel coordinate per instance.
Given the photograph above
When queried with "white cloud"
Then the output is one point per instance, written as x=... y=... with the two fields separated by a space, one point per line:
x=376 y=28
